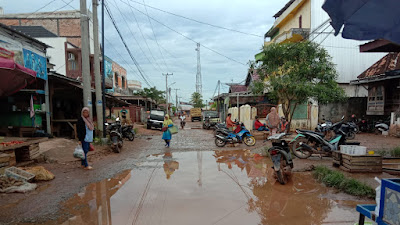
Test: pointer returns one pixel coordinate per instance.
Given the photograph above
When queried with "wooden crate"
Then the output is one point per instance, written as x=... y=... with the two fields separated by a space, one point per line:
x=337 y=158
x=27 y=153
x=361 y=163
x=7 y=158
x=391 y=165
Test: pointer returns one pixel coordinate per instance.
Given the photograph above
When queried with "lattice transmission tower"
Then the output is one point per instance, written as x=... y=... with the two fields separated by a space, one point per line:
x=198 y=75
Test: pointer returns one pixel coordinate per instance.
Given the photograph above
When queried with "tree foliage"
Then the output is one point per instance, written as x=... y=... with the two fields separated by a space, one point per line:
x=153 y=93
x=297 y=72
x=197 y=100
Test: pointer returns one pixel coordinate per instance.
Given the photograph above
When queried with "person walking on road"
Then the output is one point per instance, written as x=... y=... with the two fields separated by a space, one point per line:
x=167 y=134
x=229 y=123
x=273 y=121
x=182 y=117
x=85 y=129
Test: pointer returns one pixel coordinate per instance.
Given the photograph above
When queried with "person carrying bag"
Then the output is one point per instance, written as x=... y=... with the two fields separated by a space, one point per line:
x=167 y=135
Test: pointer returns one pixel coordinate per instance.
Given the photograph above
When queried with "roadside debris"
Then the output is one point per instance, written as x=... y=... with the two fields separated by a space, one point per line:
x=41 y=174
x=10 y=184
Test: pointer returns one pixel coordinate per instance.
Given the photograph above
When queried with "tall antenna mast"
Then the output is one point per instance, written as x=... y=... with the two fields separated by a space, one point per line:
x=198 y=75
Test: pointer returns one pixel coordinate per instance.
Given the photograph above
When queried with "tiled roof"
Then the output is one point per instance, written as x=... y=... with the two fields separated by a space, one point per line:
x=34 y=31
x=237 y=88
x=278 y=14
x=389 y=62
x=255 y=75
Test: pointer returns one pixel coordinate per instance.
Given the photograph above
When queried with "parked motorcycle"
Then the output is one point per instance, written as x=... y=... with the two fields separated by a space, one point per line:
x=220 y=128
x=114 y=130
x=380 y=127
x=352 y=130
x=281 y=158
x=308 y=142
x=128 y=132
x=241 y=134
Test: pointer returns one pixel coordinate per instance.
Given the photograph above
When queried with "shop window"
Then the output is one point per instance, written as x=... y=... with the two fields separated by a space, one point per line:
x=116 y=79
x=379 y=93
x=123 y=82
x=72 y=63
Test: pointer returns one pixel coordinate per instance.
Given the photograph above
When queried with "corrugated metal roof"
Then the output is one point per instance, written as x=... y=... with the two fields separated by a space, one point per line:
x=34 y=31
x=389 y=62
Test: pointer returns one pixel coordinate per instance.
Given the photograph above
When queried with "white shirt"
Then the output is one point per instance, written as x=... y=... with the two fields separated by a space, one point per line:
x=182 y=118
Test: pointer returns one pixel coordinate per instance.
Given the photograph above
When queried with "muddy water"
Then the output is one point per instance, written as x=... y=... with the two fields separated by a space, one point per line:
x=229 y=187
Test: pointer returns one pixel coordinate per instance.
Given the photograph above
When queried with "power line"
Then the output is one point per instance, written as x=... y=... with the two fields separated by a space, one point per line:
x=187 y=36
x=126 y=46
x=41 y=8
x=145 y=41
x=197 y=21
x=47 y=14
x=123 y=17
x=154 y=34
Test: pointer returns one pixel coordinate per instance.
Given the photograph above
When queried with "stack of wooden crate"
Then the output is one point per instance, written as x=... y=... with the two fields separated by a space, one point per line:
x=7 y=158
x=28 y=152
x=358 y=163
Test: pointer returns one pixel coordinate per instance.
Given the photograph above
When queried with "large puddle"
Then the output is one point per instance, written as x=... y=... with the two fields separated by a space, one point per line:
x=226 y=187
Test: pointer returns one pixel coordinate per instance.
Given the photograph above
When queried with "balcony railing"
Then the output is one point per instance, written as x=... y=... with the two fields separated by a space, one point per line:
x=292 y=35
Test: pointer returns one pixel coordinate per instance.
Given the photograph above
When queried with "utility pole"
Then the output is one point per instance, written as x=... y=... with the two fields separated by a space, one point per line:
x=166 y=86
x=103 y=75
x=97 y=75
x=86 y=78
x=198 y=75
x=176 y=97
x=219 y=85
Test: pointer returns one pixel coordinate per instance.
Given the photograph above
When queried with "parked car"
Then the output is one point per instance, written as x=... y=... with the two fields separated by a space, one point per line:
x=155 y=119
x=210 y=119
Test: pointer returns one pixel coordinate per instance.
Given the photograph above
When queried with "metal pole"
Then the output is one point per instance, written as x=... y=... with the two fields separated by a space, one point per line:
x=87 y=95
x=97 y=75
x=47 y=101
x=166 y=88
x=218 y=99
x=103 y=77
x=237 y=103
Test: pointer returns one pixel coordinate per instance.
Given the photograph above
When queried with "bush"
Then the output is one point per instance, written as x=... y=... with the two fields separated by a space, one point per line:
x=338 y=180
x=396 y=152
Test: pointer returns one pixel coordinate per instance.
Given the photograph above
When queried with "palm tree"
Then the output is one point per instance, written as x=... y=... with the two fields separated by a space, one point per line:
x=197 y=100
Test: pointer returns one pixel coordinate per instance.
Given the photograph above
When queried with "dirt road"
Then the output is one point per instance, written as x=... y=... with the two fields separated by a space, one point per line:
x=189 y=183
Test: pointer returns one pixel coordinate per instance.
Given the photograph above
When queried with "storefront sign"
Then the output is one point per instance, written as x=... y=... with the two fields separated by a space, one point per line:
x=11 y=50
x=35 y=62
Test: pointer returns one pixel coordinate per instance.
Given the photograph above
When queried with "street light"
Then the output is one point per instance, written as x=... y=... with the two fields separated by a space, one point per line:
x=171 y=84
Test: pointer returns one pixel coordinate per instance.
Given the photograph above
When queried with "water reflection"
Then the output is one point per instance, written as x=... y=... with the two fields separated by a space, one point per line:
x=275 y=203
x=93 y=205
x=220 y=187
x=169 y=165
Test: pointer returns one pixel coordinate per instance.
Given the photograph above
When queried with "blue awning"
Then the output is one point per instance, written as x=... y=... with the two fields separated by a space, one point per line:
x=365 y=19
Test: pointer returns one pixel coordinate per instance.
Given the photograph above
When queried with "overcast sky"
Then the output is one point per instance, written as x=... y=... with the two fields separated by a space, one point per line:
x=251 y=16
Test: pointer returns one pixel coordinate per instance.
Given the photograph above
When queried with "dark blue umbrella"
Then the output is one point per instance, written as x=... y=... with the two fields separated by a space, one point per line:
x=365 y=19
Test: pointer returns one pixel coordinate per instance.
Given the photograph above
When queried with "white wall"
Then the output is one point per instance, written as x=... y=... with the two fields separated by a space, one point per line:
x=56 y=53
x=355 y=90
x=346 y=55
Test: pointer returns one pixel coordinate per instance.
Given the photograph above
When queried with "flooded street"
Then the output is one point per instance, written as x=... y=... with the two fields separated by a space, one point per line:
x=210 y=187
